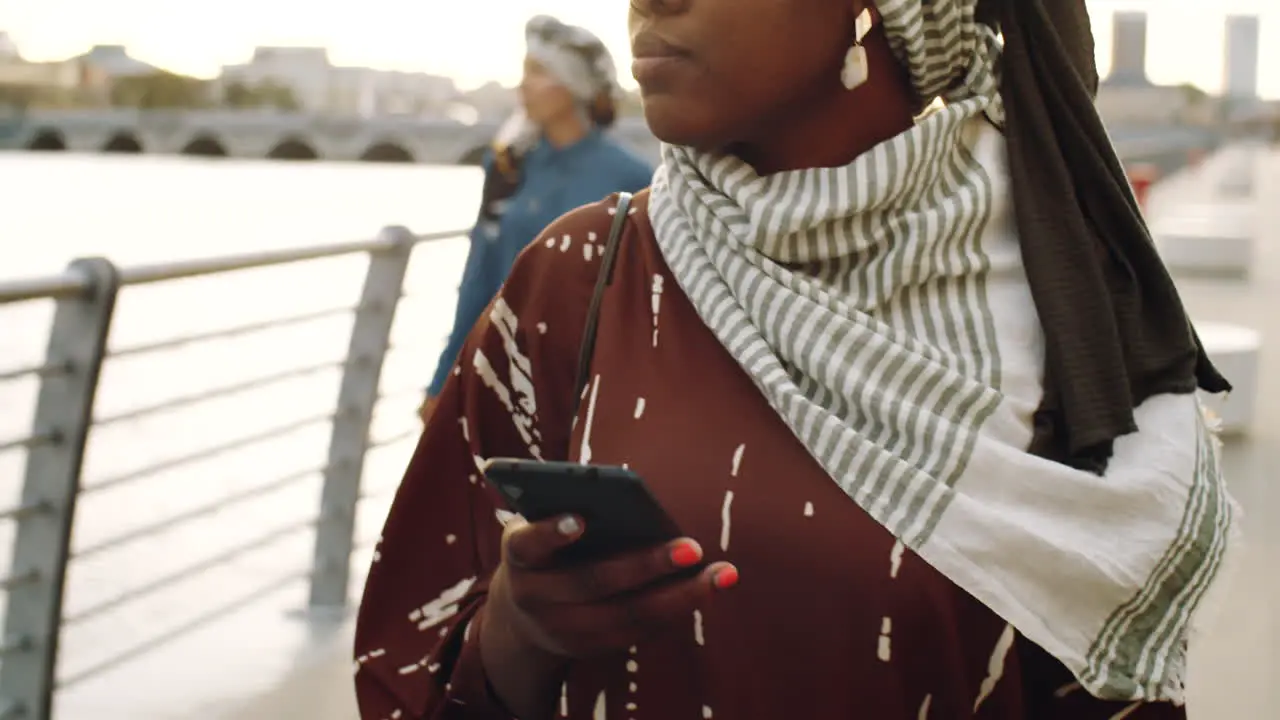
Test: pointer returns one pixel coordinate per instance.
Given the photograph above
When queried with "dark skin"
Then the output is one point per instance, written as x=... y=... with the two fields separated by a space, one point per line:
x=760 y=79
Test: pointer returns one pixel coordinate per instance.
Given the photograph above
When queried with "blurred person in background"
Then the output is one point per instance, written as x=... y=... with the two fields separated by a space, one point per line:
x=550 y=157
x=915 y=384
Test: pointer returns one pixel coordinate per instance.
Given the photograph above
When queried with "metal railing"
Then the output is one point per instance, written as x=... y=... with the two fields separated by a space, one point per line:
x=84 y=298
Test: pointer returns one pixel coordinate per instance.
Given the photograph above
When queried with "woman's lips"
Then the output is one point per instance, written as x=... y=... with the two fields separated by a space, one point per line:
x=656 y=58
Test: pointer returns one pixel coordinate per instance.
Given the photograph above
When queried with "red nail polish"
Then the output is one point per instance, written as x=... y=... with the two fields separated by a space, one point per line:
x=685 y=555
x=726 y=578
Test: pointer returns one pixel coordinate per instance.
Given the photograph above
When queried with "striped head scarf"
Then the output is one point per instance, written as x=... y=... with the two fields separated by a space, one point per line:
x=970 y=331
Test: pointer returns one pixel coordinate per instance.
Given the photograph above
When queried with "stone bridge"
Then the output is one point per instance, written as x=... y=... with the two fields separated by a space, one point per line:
x=283 y=136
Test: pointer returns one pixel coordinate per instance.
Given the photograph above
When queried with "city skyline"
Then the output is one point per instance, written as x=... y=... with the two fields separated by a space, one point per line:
x=481 y=40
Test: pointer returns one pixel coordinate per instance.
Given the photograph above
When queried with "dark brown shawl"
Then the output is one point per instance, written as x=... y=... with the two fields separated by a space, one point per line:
x=1115 y=329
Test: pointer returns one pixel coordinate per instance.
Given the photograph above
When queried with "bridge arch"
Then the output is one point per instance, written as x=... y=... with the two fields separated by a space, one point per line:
x=47 y=139
x=123 y=142
x=205 y=146
x=387 y=151
x=293 y=149
x=475 y=156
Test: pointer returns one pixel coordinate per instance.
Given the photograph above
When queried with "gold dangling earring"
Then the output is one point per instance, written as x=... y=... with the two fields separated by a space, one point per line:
x=855 y=71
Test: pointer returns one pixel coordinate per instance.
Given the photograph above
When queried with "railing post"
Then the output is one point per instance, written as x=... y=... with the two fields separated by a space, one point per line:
x=370 y=335
x=64 y=407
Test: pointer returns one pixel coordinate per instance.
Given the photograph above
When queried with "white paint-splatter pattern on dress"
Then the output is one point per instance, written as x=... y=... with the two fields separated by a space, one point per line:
x=737 y=460
x=726 y=520
x=656 y=302
x=520 y=369
x=1066 y=690
x=697 y=628
x=441 y=608
x=484 y=369
x=522 y=421
x=884 y=648
x=895 y=558
x=995 y=666
x=371 y=655
x=584 y=453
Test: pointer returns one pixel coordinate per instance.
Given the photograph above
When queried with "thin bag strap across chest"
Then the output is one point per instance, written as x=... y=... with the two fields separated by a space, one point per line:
x=587 y=350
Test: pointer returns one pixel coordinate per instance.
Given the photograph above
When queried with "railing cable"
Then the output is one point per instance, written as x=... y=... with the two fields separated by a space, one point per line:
x=13 y=580
x=231 y=332
x=191 y=571
x=196 y=623
x=47 y=437
x=230 y=446
x=195 y=513
x=41 y=371
x=25 y=509
x=195 y=398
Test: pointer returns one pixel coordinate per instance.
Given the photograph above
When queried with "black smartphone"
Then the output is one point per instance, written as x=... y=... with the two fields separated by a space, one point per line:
x=617 y=508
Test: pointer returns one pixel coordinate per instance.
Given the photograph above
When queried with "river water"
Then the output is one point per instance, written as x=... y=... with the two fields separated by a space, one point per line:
x=147 y=209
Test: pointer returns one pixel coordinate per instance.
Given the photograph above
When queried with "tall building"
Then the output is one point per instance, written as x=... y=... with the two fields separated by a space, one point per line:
x=1241 y=66
x=1129 y=49
x=8 y=49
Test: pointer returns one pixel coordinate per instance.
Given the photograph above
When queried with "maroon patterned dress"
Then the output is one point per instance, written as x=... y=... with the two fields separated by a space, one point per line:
x=833 y=618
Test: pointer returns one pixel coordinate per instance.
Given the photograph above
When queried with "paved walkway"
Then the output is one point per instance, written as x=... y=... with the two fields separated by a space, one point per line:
x=1236 y=665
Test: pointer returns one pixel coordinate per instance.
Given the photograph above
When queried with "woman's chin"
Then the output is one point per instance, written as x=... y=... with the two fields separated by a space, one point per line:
x=676 y=121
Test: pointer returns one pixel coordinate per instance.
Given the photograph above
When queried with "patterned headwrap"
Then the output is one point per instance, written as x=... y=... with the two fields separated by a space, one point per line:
x=581 y=63
x=578 y=59
x=575 y=57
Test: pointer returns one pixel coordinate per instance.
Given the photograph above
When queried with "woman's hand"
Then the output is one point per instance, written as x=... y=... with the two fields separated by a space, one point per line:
x=541 y=613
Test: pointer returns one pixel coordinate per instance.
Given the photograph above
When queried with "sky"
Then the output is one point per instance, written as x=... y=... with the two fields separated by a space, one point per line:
x=478 y=40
